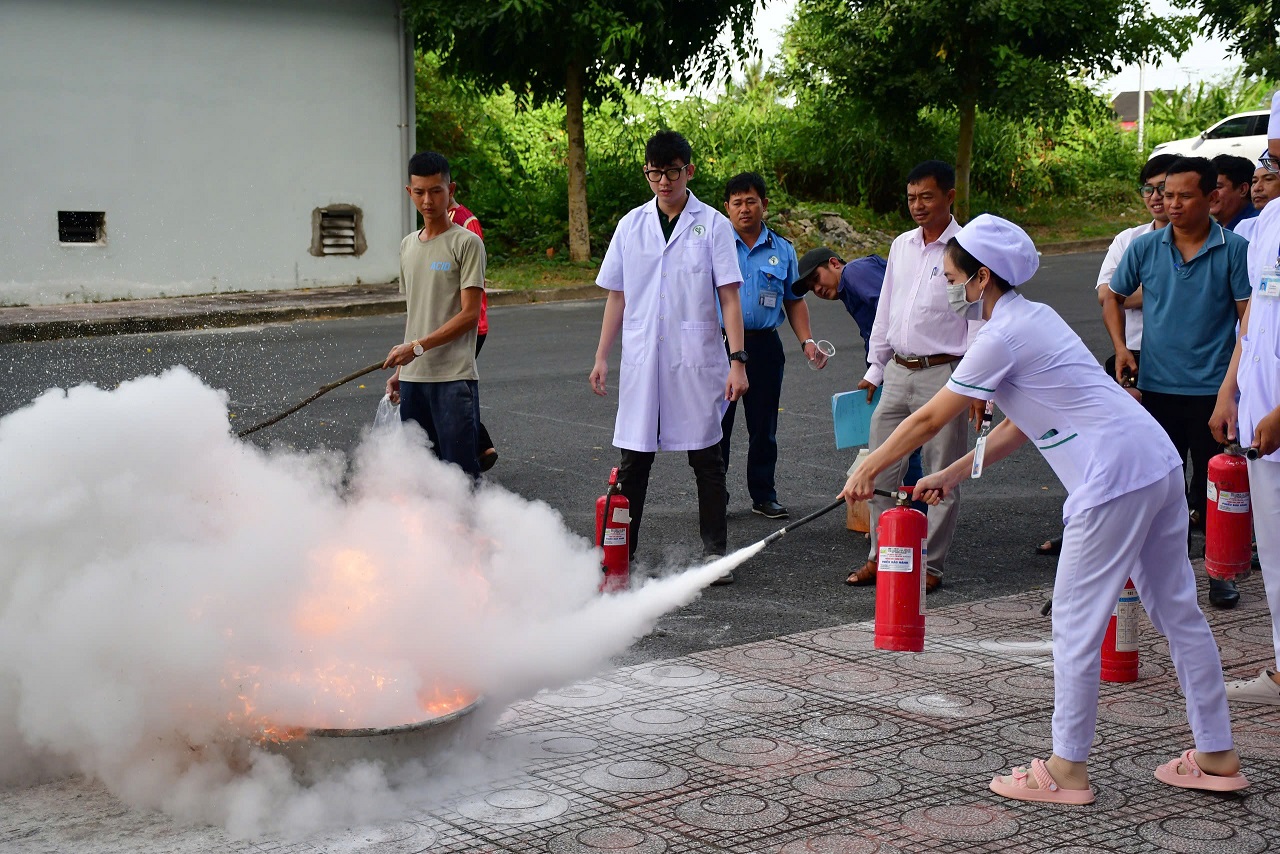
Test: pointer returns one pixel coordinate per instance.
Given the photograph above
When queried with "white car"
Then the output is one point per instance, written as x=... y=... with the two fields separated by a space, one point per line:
x=1244 y=134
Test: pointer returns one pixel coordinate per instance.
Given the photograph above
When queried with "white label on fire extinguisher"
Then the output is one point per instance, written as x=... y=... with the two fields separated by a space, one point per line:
x=1126 y=614
x=896 y=559
x=621 y=515
x=615 y=536
x=1212 y=491
x=1233 y=502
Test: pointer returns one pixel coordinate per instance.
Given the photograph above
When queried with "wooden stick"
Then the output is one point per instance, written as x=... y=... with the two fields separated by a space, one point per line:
x=323 y=390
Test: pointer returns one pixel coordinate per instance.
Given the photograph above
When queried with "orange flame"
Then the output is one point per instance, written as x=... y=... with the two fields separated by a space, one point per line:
x=347 y=590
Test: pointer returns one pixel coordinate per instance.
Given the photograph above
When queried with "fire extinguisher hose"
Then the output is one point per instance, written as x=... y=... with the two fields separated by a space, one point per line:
x=777 y=535
x=604 y=523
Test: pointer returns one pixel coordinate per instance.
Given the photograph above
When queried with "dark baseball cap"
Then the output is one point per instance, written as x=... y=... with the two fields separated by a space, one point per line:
x=810 y=261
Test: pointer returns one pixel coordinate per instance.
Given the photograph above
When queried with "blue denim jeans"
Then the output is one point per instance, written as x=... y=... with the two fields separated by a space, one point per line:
x=450 y=413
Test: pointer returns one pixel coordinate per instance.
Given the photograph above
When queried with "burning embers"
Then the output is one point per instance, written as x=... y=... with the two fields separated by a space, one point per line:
x=349 y=674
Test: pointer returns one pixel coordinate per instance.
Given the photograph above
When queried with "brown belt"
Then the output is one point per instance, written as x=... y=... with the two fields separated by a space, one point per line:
x=915 y=363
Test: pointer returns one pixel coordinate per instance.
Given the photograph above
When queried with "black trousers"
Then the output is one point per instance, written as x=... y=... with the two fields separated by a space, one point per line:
x=765 y=361
x=1185 y=417
x=708 y=471
x=483 y=442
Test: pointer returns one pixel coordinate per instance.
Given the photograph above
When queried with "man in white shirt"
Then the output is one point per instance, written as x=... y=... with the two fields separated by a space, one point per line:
x=1150 y=180
x=916 y=341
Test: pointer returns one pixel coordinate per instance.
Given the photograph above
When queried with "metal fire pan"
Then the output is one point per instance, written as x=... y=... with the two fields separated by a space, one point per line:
x=319 y=751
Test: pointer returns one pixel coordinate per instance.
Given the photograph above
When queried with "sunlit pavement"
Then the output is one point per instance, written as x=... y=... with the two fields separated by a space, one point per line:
x=812 y=742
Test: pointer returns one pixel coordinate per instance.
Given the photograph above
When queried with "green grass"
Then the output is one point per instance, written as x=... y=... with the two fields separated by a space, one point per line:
x=533 y=273
x=1059 y=219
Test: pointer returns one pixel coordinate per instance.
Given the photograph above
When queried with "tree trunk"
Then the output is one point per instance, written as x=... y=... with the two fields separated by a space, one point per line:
x=579 y=236
x=964 y=153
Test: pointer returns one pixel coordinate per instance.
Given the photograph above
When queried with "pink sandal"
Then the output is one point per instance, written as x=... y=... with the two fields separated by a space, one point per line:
x=1197 y=779
x=1048 y=792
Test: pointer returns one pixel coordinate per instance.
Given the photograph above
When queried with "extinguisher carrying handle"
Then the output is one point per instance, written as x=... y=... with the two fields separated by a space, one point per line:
x=1247 y=453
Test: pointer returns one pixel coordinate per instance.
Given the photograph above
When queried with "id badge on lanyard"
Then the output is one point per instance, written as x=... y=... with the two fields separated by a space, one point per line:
x=1270 y=284
x=980 y=449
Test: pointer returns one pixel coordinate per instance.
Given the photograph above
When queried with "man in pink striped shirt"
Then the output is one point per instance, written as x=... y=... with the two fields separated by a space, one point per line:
x=918 y=336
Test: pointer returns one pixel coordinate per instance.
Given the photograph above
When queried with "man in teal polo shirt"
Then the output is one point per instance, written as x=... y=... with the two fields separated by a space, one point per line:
x=768 y=264
x=1195 y=287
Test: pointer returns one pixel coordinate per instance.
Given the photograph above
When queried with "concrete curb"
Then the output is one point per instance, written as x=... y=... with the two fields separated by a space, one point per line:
x=28 y=324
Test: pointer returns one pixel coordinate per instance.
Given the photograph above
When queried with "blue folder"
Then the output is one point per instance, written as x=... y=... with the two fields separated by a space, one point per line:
x=851 y=415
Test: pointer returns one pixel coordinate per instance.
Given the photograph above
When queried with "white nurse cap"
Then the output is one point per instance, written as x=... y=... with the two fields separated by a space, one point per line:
x=1000 y=246
x=1273 y=123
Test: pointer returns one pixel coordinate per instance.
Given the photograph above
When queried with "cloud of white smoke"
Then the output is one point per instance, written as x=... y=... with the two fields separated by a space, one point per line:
x=167 y=591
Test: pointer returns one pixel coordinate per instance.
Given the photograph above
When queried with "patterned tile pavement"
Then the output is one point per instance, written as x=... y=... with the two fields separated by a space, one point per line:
x=813 y=743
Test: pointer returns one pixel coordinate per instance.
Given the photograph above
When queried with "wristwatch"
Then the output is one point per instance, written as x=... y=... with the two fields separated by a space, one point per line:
x=806 y=342
x=740 y=356
x=417 y=349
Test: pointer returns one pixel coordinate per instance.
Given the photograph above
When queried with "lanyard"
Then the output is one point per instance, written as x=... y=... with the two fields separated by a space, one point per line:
x=980 y=449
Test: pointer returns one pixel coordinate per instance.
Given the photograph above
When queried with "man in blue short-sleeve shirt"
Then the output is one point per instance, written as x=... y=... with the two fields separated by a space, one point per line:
x=768 y=264
x=1195 y=285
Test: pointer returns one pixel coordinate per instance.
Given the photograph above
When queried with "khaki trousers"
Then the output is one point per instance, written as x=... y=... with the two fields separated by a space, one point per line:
x=904 y=392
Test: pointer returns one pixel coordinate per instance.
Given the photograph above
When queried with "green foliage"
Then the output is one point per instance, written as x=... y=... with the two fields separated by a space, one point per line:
x=1012 y=56
x=1015 y=58
x=811 y=145
x=1251 y=27
x=527 y=45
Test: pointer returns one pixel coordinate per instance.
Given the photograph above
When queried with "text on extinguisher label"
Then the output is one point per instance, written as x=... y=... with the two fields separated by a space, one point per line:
x=615 y=536
x=1126 y=614
x=896 y=559
x=1233 y=502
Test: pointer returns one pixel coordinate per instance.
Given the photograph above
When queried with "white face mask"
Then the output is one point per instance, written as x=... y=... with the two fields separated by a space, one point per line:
x=960 y=303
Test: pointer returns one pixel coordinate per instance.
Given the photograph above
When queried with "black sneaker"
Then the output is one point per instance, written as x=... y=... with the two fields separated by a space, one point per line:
x=487 y=459
x=1223 y=594
x=770 y=510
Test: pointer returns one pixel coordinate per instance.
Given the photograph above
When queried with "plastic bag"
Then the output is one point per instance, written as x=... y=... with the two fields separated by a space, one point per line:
x=388 y=414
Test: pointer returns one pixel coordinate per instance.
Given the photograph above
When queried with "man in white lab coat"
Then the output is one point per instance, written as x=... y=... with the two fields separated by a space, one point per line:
x=671 y=261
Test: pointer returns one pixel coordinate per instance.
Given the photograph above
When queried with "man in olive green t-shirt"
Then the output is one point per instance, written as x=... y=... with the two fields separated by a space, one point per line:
x=442 y=278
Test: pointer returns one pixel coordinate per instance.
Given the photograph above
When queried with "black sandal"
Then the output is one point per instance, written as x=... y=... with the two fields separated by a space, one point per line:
x=1051 y=547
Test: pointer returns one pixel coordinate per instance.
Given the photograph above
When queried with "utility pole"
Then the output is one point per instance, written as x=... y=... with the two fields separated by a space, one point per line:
x=1142 y=105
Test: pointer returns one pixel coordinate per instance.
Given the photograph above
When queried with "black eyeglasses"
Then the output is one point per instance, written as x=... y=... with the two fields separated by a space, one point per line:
x=672 y=173
x=1269 y=163
x=1147 y=189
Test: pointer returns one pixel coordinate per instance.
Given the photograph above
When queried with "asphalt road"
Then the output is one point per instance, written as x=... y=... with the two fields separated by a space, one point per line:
x=554 y=435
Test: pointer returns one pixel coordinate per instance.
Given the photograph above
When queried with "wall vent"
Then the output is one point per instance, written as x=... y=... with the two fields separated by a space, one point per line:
x=337 y=230
x=82 y=227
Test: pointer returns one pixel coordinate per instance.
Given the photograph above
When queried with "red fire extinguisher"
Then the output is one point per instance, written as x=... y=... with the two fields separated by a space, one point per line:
x=1228 y=516
x=613 y=526
x=902 y=533
x=1120 y=646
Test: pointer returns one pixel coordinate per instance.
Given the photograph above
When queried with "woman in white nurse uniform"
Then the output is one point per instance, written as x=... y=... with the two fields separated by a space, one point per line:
x=1125 y=514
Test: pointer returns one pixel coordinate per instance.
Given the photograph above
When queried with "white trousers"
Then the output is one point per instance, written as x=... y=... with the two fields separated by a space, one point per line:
x=1140 y=535
x=1264 y=490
